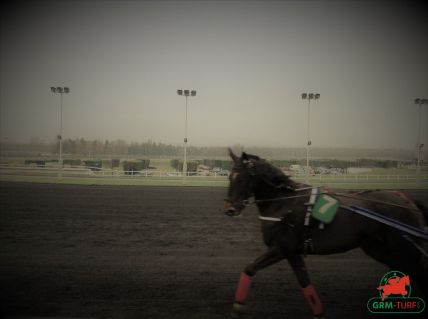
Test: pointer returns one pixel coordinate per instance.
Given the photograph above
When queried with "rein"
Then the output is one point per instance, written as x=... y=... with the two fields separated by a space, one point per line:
x=371 y=200
x=275 y=199
x=279 y=219
x=279 y=187
x=256 y=201
x=334 y=195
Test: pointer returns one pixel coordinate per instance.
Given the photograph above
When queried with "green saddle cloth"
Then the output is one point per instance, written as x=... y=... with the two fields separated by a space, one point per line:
x=325 y=208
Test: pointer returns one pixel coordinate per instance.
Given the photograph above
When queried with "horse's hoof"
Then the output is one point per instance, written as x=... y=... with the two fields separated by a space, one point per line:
x=237 y=310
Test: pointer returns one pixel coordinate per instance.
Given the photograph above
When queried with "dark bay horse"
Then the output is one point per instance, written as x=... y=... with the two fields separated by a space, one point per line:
x=282 y=205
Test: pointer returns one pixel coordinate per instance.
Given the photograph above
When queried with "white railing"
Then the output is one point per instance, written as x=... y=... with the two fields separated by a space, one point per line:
x=82 y=171
x=366 y=178
x=96 y=172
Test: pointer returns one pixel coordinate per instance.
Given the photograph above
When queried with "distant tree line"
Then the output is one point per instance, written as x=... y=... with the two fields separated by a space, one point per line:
x=91 y=147
x=99 y=148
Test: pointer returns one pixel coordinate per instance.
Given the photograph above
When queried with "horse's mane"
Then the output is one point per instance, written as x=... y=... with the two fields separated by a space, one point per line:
x=263 y=169
x=268 y=172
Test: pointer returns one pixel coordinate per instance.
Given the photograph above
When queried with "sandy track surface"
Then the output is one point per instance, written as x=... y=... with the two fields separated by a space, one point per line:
x=154 y=252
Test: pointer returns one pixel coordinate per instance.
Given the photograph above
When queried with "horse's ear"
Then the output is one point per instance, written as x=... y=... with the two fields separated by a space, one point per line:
x=233 y=156
x=248 y=160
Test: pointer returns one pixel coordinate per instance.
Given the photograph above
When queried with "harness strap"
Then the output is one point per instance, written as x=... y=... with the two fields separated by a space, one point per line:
x=278 y=198
x=312 y=200
x=408 y=229
x=333 y=194
x=302 y=188
x=271 y=219
x=308 y=244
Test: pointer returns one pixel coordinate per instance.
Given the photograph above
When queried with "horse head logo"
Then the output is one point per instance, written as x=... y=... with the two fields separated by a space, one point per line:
x=394 y=284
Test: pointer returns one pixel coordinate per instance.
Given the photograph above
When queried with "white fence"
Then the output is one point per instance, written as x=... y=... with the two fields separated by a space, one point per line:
x=349 y=178
x=84 y=171
x=81 y=171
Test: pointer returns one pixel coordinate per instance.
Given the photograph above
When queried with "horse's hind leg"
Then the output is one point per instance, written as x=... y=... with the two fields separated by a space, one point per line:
x=299 y=268
x=272 y=256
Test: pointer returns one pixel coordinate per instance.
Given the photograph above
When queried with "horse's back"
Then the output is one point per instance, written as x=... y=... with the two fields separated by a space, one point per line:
x=394 y=204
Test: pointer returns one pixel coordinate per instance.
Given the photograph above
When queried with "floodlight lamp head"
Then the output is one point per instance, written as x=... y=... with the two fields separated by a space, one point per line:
x=311 y=96
x=59 y=89
x=424 y=101
x=417 y=101
x=66 y=90
x=53 y=89
x=180 y=92
x=317 y=96
x=193 y=93
x=186 y=92
x=304 y=96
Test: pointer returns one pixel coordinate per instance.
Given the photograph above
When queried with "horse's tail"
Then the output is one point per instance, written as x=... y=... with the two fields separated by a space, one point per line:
x=423 y=209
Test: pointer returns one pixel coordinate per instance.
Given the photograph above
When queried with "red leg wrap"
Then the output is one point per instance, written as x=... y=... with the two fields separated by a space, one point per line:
x=313 y=299
x=243 y=288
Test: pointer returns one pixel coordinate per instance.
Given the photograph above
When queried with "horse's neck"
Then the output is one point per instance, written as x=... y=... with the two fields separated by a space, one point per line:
x=266 y=192
x=296 y=185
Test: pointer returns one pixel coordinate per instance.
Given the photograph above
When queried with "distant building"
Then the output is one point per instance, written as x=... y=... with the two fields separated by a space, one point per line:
x=296 y=169
x=358 y=170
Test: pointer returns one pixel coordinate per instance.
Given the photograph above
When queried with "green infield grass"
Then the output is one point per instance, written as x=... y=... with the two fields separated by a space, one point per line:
x=219 y=181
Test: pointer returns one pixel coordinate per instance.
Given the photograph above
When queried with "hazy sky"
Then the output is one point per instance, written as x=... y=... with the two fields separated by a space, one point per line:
x=248 y=60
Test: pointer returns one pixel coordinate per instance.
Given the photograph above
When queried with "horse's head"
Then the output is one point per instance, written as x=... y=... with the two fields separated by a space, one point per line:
x=250 y=176
x=241 y=183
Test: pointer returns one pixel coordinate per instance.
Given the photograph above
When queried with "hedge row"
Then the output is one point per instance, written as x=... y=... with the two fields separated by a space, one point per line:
x=224 y=165
x=95 y=165
x=178 y=165
x=72 y=162
x=39 y=163
x=130 y=167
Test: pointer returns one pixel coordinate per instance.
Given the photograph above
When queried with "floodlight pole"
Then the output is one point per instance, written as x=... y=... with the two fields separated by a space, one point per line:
x=309 y=97
x=61 y=91
x=186 y=94
x=308 y=142
x=60 y=138
x=419 y=145
x=185 y=144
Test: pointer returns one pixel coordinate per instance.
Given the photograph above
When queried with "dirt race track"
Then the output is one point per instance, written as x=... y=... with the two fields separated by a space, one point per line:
x=154 y=252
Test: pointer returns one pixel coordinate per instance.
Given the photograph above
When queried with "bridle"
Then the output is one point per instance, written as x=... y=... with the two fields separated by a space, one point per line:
x=246 y=202
x=256 y=201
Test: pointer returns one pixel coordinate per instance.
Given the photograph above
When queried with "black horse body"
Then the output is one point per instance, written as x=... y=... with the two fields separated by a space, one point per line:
x=279 y=198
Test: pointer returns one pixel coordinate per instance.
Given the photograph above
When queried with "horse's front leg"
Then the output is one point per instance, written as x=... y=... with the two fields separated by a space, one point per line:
x=298 y=265
x=272 y=256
